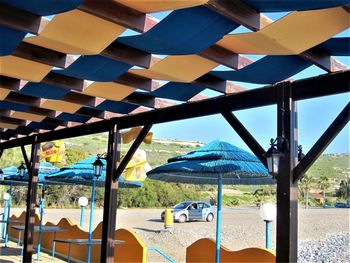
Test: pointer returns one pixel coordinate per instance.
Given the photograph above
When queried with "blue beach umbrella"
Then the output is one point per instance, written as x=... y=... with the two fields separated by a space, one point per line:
x=82 y=173
x=218 y=162
x=45 y=168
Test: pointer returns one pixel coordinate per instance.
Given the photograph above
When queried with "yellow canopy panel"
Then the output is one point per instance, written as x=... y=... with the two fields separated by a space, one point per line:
x=292 y=34
x=150 y=6
x=108 y=90
x=178 y=68
x=26 y=116
x=58 y=105
x=20 y=68
x=5 y=125
x=4 y=93
x=77 y=32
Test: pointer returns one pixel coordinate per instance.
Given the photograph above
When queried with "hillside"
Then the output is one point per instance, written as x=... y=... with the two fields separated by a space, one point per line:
x=159 y=194
x=335 y=166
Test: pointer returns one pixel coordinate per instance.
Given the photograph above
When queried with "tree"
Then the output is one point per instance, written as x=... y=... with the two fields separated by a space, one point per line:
x=305 y=186
x=324 y=184
x=344 y=189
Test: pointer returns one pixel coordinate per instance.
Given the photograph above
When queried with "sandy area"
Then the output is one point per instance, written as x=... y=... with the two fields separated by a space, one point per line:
x=241 y=227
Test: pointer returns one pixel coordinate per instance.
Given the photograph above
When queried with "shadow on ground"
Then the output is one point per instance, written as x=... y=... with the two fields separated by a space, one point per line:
x=9 y=251
x=148 y=230
x=155 y=220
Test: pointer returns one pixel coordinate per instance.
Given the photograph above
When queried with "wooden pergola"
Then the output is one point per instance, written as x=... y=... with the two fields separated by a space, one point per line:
x=118 y=82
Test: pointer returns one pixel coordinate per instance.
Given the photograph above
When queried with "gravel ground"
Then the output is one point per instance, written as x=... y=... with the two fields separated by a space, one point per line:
x=333 y=248
x=323 y=233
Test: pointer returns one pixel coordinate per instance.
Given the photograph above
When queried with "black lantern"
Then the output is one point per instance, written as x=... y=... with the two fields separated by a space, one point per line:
x=1 y=175
x=278 y=146
x=273 y=158
x=300 y=153
x=98 y=165
x=21 y=169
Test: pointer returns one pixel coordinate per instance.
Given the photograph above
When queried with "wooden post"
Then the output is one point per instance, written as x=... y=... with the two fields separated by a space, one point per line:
x=111 y=196
x=31 y=202
x=287 y=190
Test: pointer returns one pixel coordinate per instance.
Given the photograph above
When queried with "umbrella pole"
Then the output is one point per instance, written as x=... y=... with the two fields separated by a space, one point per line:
x=92 y=204
x=8 y=217
x=4 y=217
x=41 y=211
x=218 y=220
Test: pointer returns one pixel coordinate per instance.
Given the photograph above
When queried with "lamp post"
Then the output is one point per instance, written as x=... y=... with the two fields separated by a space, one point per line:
x=5 y=198
x=82 y=201
x=268 y=214
x=98 y=167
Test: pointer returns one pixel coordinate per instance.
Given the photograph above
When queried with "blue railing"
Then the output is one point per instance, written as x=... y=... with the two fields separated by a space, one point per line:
x=162 y=254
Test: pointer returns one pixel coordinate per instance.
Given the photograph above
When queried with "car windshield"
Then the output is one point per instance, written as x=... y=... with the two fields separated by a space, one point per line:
x=182 y=205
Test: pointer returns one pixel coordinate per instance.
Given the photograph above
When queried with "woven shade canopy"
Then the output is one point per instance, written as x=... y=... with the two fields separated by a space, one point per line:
x=82 y=173
x=203 y=166
x=67 y=63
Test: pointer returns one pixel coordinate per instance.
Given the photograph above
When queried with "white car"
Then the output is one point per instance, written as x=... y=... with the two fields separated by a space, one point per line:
x=192 y=210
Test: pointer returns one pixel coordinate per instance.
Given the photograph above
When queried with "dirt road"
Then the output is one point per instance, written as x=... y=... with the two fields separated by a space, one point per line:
x=241 y=227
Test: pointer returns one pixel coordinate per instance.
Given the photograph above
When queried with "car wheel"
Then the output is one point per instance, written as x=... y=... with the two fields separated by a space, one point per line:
x=210 y=217
x=182 y=218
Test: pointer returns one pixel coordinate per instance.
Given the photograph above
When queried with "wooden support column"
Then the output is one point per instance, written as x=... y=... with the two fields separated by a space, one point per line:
x=287 y=190
x=31 y=201
x=111 y=187
x=111 y=195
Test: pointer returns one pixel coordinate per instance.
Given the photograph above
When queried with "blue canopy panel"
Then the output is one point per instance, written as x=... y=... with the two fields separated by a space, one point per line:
x=293 y=5
x=41 y=125
x=117 y=106
x=268 y=70
x=339 y=46
x=13 y=106
x=42 y=90
x=182 y=32
x=10 y=39
x=177 y=91
x=72 y=117
x=44 y=7
x=95 y=68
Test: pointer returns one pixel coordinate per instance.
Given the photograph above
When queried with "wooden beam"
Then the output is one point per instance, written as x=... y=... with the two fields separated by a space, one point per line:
x=11 y=83
x=21 y=20
x=322 y=85
x=287 y=191
x=111 y=196
x=225 y=57
x=82 y=99
x=64 y=81
x=246 y=136
x=128 y=55
x=136 y=81
x=27 y=162
x=117 y=13
x=28 y=238
x=147 y=101
x=43 y=55
x=317 y=149
x=238 y=101
x=13 y=121
x=239 y=12
x=23 y=99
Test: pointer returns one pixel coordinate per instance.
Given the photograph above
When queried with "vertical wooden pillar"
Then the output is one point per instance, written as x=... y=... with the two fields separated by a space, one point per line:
x=111 y=196
x=31 y=202
x=287 y=190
